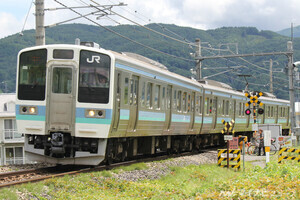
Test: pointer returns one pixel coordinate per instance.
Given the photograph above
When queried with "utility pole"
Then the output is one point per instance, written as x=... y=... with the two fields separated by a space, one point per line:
x=198 y=61
x=39 y=23
x=291 y=85
x=271 y=76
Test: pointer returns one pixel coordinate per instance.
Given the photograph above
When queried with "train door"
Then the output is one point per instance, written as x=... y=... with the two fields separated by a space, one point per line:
x=191 y=107
x=61 y=95
x=214 y=111
x=168 y=108
x=133 y=103
x=117 y=102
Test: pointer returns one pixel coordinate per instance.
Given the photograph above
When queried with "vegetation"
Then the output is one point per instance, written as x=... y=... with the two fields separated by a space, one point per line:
x=249 y=40
x=276 y=181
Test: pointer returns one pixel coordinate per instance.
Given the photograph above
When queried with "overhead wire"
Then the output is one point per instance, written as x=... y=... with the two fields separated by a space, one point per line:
x=26 y=17
x=127 y=38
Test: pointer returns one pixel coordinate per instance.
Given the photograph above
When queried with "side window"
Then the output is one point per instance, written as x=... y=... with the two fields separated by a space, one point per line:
x=210 y=105
x=207 y=105
x=157 y=97
x=190 y=103
x=227 y=108
x=200 y=105
x=223 y=107
x=272 y=113
x=184 y=102
x=126 y=87
x=163 y=99
x=243 y=112
x=143 y=94
x=149 y=95
x=179 y=101
x=175 y=100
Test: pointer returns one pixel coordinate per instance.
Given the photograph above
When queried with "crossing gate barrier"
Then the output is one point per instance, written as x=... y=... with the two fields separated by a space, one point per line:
x=234 y=155
x=292 y=150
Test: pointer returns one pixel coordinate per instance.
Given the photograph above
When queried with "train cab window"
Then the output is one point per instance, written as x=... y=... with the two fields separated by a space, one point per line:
x=179 y=101
x=94 y=77
x=32 y=75
x=149 y=95
x=143 y=94
x=126 y=88
x=157 y=97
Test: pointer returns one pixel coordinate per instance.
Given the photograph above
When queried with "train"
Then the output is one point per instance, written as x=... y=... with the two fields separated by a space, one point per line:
x=81 y=104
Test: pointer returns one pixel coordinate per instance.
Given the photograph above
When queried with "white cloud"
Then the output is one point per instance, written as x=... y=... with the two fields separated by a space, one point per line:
x=204 y=14
x=9 y=24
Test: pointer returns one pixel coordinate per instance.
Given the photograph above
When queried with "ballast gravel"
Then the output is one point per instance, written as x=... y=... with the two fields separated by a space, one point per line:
x=158 y=169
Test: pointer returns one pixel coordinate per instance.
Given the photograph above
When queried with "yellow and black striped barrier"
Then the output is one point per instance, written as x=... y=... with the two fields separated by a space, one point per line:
x=232 y=152
x=291 y=150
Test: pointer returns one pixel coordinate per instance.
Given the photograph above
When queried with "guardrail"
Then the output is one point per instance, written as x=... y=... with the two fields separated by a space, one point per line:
x=11 y=135
x=288 y=150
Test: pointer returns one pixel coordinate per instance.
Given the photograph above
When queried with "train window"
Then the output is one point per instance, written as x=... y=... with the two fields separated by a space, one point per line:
x=143 y=94
x=223 y=107
x=184 y=102
x=190 y=103
x=272 y=111
x=200 y=104
x=175 y=100
x=149 y=95
x=227 y=108
x=62 y=80
x=126 y=87
x=179 y=101
x=94 y=81
x=32 y=75
x=63 y=54
x=131 y=91
x=210 y=105
x=206 y=105
x=169 y=96
x=157 y=97
x=163 y=98
x=243 y=111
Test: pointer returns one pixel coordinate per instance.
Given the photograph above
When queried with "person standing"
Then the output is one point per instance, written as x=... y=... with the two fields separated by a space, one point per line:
x=261 y=142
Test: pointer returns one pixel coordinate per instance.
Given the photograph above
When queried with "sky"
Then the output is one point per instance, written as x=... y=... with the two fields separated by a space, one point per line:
x=271 y=15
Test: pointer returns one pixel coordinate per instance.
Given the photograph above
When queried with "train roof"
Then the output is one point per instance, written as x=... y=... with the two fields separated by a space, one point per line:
x=148 y=64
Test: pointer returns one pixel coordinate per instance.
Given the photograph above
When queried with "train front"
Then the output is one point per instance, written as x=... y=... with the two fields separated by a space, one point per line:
x=63 y=104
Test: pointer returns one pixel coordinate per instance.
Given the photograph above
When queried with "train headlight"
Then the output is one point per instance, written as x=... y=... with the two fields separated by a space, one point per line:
x=91 y=113
x=32 y=110
x=95 y=113
x=28 y=110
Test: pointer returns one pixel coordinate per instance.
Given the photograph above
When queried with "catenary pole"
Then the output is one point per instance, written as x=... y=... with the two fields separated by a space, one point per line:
x=39 y=23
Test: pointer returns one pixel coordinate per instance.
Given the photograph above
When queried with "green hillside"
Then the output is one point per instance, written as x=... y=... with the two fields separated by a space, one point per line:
x=249 y=40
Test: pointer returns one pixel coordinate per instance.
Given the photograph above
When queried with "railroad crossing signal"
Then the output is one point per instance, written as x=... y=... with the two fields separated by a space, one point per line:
x=228 y=126
x=254 y=99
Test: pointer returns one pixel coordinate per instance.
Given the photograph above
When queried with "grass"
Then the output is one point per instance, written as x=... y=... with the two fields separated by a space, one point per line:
x=275 y=181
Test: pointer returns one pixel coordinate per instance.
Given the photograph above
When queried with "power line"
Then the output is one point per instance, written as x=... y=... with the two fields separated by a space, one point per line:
x=108 y=29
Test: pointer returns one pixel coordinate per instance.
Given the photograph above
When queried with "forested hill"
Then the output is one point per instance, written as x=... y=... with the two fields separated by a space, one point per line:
x=249 y=40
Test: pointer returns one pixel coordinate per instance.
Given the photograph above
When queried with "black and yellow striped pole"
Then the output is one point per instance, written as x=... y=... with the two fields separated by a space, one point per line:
x=228 y=127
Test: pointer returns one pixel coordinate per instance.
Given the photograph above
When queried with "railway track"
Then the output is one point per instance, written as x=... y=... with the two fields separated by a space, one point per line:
x=34 y=175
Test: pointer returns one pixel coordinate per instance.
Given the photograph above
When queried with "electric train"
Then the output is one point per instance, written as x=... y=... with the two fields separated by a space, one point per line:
x=83 y=105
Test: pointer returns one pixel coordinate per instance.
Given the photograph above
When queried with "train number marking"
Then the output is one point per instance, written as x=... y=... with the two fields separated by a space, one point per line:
x=94 y=58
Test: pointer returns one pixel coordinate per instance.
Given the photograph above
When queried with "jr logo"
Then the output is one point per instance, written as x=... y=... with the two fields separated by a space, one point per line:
x=94 y=58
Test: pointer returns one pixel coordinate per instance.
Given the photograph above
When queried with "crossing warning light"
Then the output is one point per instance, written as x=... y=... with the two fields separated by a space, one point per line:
x=248 y=111
x=260 y=111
